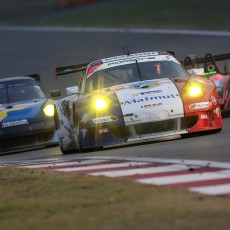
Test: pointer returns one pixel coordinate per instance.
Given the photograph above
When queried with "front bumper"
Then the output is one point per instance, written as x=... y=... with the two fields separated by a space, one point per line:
x=108 y=134
x=24 y=136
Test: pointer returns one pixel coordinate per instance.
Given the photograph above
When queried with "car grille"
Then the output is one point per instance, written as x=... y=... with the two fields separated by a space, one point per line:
x=25 y=141
x=151 y=128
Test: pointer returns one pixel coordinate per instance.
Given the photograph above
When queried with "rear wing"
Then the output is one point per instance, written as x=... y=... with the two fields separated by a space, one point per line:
x=70 y=69
x=35 y=76
x=208 y=62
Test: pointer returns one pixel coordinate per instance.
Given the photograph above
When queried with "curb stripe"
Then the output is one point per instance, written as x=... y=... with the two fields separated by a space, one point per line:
x=170 y=173
x=88 y=169
x=102 y=171
x=162 y=169
x=65 y=164
x=202 y=183
x=195 y=176
x=169 y=180
x=212 y=190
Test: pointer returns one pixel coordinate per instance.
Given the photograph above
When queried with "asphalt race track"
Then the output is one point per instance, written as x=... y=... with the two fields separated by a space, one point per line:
x=26 y=50
x=213 y=147
x=39 y=51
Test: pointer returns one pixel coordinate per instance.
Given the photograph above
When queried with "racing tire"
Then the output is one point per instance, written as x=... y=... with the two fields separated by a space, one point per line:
x=79 y=143
x=64 y=152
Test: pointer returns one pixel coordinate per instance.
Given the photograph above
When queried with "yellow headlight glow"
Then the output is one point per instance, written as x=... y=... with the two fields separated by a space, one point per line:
x=100 y=103
x=195 y=89
x=49 y=110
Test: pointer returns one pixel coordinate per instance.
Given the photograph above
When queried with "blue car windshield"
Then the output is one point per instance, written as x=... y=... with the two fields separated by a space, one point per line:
x=139 y=71
x=12 y=92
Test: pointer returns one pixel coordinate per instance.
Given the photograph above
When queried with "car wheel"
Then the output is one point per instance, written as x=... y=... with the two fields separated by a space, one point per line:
x=61 y=146
x=78 y=134
x=78 y=140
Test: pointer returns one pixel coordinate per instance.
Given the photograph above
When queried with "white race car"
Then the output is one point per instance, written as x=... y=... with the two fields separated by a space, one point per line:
x=132 y=98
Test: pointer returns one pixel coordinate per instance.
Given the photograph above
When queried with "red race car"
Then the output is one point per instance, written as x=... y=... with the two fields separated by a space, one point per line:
x=214 y=68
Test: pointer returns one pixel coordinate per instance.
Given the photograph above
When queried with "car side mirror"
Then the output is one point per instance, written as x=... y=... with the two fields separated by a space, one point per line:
x=55 y=93
x=72 y=90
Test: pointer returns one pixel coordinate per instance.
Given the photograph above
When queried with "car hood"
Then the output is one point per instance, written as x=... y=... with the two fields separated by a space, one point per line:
x=25 y=109
x=149 y=100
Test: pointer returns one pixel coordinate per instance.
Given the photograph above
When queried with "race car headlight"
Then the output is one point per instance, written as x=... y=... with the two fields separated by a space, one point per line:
x=100 y=103
x=49 y=110
x=195 y=89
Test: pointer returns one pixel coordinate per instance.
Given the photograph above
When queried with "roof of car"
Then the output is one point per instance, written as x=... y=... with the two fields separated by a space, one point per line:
x=132 y=56
x=9 y=79
x=86 y=66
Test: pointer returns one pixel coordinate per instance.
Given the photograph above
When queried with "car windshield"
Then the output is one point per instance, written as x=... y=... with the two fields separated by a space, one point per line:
x=11 y=92
x=139 y=71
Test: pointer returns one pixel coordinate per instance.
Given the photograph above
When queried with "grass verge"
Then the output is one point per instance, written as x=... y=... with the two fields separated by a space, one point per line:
x=180 y=14
x=43 y=199
x=16 y=10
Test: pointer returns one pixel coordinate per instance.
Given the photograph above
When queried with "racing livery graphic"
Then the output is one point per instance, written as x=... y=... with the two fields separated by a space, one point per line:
x=131 y=98
x=26 y=114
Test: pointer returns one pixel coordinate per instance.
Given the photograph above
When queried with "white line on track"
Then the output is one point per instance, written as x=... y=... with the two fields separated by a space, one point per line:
x=114 y=30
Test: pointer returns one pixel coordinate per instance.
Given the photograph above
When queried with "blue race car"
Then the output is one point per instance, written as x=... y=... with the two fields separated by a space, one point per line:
x=26 y=114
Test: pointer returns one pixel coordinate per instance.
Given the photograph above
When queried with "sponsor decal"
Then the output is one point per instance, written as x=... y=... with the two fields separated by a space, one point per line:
x=84 y=119
x=19 y=108
x=151 y=105
x=148 y=92
x=120 y=62
x=115 y=88
x=146 y=55
x=204 y=116
x=213 y=100
x=144 y=84
x=94 y=68
x=217 y=112
x=100 y=131
x=148 y=99
x=104 y=119
x=84 y=131
x=14 y=123
x=200 y=105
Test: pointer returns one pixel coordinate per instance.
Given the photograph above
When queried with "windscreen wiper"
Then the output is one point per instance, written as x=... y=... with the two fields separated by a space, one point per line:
x=139 y=72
